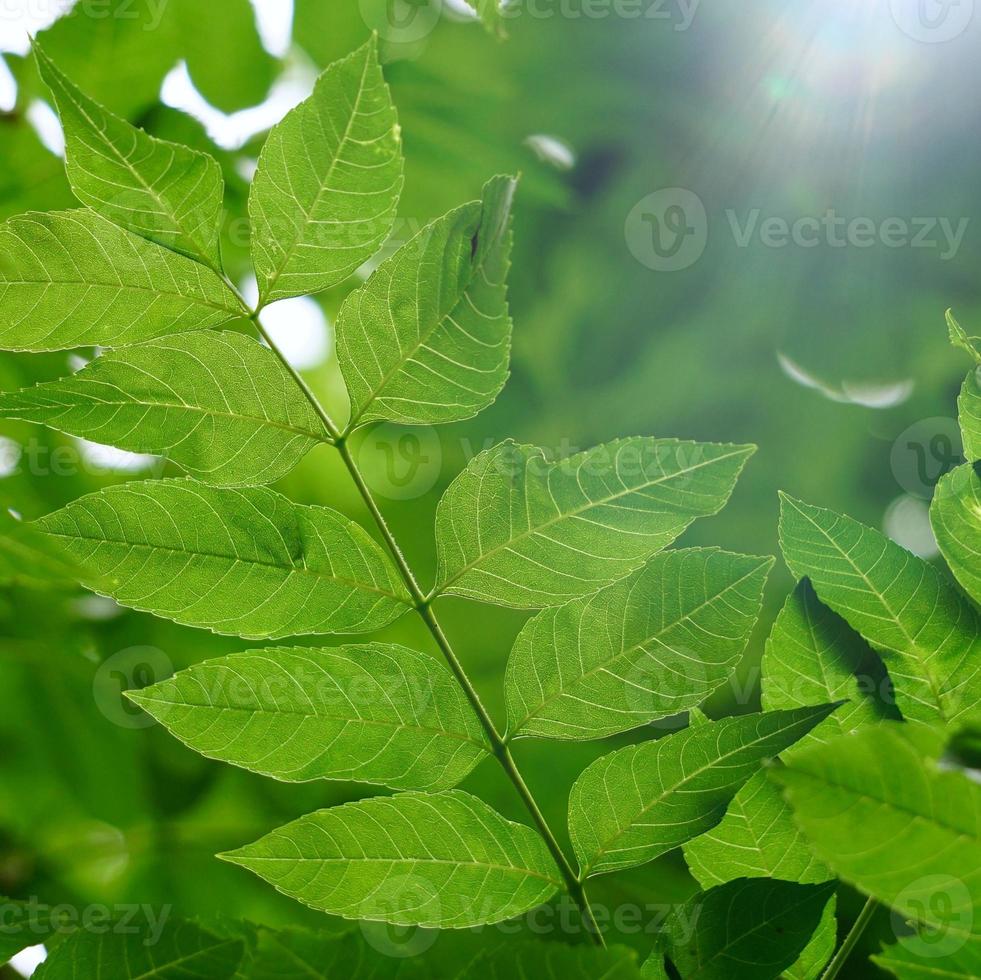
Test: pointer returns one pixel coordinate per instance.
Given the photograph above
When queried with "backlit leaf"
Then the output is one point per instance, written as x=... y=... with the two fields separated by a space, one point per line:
x=956 y=518
x=519 y=529
x=168 y=397
x=427 y=338
x=445 y=860
x=886 y=818
x=745 y=930
x=325 y=193
x=641 y=801
x=162 y=191
x=927 y=632
x=245 y=562
x=73 y=279
x=931 y=955
x=655 y=644
x=377 y=713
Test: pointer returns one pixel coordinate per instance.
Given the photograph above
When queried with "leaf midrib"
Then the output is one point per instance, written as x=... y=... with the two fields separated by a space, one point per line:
x=601 y=502
x=637 y=646
x=270 y=285
x=290 y=569
x=673 y=788
x=292 y=712
x=192 y=238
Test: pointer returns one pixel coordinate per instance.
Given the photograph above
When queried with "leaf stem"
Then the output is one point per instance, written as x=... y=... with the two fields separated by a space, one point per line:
x=422 y=605
x=851 y=940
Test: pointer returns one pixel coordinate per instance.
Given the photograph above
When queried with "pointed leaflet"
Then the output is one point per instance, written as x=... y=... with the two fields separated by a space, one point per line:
x=519 y=529
x=182 y=952
x=889 y=820
x=956 y=518
x=645 y=648
x=427 y=338
x=219 y=404
x=72 y=279
x=926 y=631
x=377 y=713
x=324 y=195
x=640 y=802
x=744 y=930
x=811 y=657
x=445 y=860
x=243 y=562
x=162 y=191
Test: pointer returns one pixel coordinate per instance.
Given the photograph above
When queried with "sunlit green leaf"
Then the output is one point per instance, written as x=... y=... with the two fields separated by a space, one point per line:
x=73 y=279
x=926 y=631
x=644 y=800
x=519 y=529
x=377 y=713
x=819 y=950
x=445 y=860
x=653 y=645
x=167 y=397
x=427 y=338
x=161 y=191
x=324 y=196
x=886 y=818
x=750 y=929
x=245 y=562
x=956 y=518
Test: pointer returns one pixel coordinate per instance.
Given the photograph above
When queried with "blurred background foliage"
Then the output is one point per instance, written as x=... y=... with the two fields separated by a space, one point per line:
x=789 y=108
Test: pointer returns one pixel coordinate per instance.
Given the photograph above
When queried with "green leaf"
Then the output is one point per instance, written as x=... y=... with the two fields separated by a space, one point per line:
x=956 y=518
x=244 y=562
x=882 y=813
x=325 y=193
x=551 y=961
x=959 y=337
x=644 y=800
x=377 y=713
x=72 y=279
x=757 y=838
x=427 y=338
x=182 y=952
x=745 y=930
x=225 y=58
x=28 y=558
x=445 y=860
x=813 y=656
x=25 y=924
x=161 y=191
x=820 y=949
x=657 y=643
x=929 y=955
x=969 y=402
x=926 y=631
x=169 y=397
x=519 y=529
